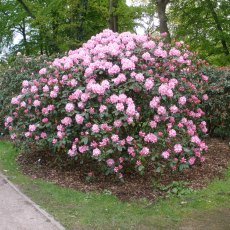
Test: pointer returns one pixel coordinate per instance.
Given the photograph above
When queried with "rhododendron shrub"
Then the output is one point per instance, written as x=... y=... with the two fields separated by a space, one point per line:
x=217 y=103
x=12 y=74
x=123 y=100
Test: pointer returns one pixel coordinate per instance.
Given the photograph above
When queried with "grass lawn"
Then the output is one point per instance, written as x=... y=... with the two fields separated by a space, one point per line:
x=78 y=210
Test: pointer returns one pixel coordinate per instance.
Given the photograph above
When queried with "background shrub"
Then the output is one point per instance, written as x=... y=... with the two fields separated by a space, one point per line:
x=217 y=108
x=11 y=76
x=123 y=101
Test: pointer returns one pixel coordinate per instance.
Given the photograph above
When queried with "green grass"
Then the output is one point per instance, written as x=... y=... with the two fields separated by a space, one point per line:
x=78 y=210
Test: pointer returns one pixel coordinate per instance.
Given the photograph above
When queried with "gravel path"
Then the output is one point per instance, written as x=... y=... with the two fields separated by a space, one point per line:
x=18 y=212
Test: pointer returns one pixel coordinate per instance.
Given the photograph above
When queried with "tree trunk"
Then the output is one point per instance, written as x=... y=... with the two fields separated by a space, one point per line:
x=218 y=26
x=24 y=36
x=161 y=10
x=83 y=6
x=26 y=8
x=113 y=18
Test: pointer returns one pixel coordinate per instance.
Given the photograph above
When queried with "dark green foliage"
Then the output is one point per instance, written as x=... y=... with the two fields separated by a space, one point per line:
x=204 y=25
x=11 y=76
x=217 y=108
x=53 y=26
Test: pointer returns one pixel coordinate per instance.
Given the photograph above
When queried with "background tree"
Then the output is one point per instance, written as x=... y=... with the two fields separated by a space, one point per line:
x=52 y=26
x=161 y=11
x=205 y=25
x=113 y=17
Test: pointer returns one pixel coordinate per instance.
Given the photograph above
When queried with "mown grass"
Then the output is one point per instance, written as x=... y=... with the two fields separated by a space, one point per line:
x=78 y=210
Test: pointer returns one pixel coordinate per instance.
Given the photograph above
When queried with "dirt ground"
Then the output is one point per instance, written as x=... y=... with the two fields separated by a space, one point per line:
x=39 y=165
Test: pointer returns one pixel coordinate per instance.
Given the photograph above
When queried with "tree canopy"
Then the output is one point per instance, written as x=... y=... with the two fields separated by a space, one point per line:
x=51 y=26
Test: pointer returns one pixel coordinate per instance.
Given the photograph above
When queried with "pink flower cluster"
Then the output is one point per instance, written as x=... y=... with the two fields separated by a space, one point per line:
x=119 y=99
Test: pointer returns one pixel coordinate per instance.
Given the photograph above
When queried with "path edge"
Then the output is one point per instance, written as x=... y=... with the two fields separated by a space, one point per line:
x=36 y=206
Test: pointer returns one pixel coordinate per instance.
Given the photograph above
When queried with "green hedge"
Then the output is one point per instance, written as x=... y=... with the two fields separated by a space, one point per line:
x=217 y=108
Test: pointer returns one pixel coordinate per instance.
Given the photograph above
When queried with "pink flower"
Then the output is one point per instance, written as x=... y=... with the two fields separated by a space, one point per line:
x=154 y=102
x=192 y=160
x=146 y=56
x=79 y=119
x=60 y=134
x=149 y=84
x=50 y=107
x=15 y=101
x=66 y=121
x=129 y=139
x=164 y=89
x=96 y=152
x=43 y=135
x=42 y=71
x=54 y=141
x=153 y=124
x=173 y=109
x=165 y=154
x=13 y=136
x=85 y=97
x=32 y=128
x=45 y=88
x=45 y=111
x=23 y=104
x=204 y=77
x=45 y=120
x=183 y=160
x=25 y=83
x=160 y=53
x=205 y=97
x=28 y=134
x=114 y=99
x=120 y=107
x=149 y=44
x=195 y=139
x=56 y=89
x=122 y=98
x=131 y=111
x=110 y=162
x=72 y=152
x=182 y=100
x=102 y=108
x=178 y=148
x=95 y=128
x=129 y=120
x=172 y=133
x=161 y=110
x=139 y=77
x=9 y=119
x=73 y=82
x=37 y=103
x=127 y=64
x=53 y=94
x=115 y=69
x=69 y=107
x=117 y=123
x=115 y=138
x=60 y=128
x=83 y=148
x=175 y=52
x=144 y=151
x=34 y=89
x=116 y=169
x=150 y=138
